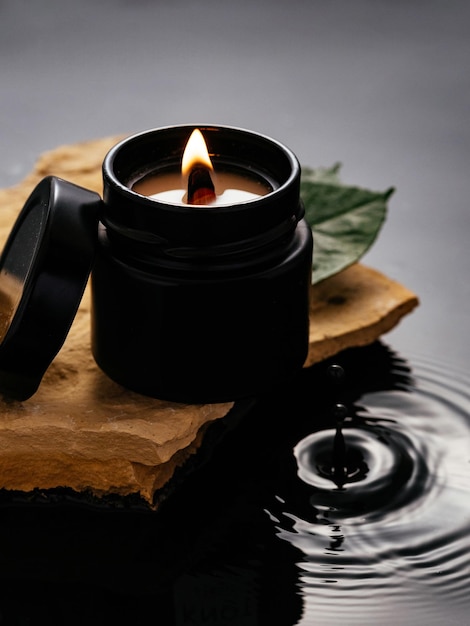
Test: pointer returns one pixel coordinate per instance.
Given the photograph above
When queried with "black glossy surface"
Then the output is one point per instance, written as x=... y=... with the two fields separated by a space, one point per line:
x=212 y=553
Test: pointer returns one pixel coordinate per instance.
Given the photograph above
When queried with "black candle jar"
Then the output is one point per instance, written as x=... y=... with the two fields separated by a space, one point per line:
x=201 y=303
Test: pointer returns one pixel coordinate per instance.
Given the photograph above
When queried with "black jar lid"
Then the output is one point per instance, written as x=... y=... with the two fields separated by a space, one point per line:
x=44 y=269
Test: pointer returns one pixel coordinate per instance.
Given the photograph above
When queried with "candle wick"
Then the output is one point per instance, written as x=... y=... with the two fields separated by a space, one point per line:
x=201 y=189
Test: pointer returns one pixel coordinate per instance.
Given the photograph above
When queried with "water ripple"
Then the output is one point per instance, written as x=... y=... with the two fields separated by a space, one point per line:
x=385 y=532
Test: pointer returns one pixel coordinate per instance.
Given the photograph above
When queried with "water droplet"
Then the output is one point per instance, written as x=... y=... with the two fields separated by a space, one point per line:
x=340 y=412
x=398 y=527
x=335 y=372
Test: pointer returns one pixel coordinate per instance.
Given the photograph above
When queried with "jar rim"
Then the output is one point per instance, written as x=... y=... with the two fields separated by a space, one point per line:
x=181 y=224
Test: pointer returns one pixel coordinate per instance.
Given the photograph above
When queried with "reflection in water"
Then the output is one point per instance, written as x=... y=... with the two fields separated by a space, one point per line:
x=403 y=524
x=340 y=500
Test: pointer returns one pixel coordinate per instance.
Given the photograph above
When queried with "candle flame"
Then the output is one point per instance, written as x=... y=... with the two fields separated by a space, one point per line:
x=195 y=153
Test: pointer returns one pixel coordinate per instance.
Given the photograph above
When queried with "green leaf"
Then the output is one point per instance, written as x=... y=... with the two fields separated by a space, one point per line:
x=345 y=220
x=322 y=174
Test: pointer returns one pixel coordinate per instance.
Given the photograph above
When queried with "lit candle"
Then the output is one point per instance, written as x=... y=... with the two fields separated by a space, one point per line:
x=198 y=183
x=194 y=303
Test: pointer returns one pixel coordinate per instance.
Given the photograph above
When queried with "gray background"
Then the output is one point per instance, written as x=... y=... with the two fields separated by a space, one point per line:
x=380 y=85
